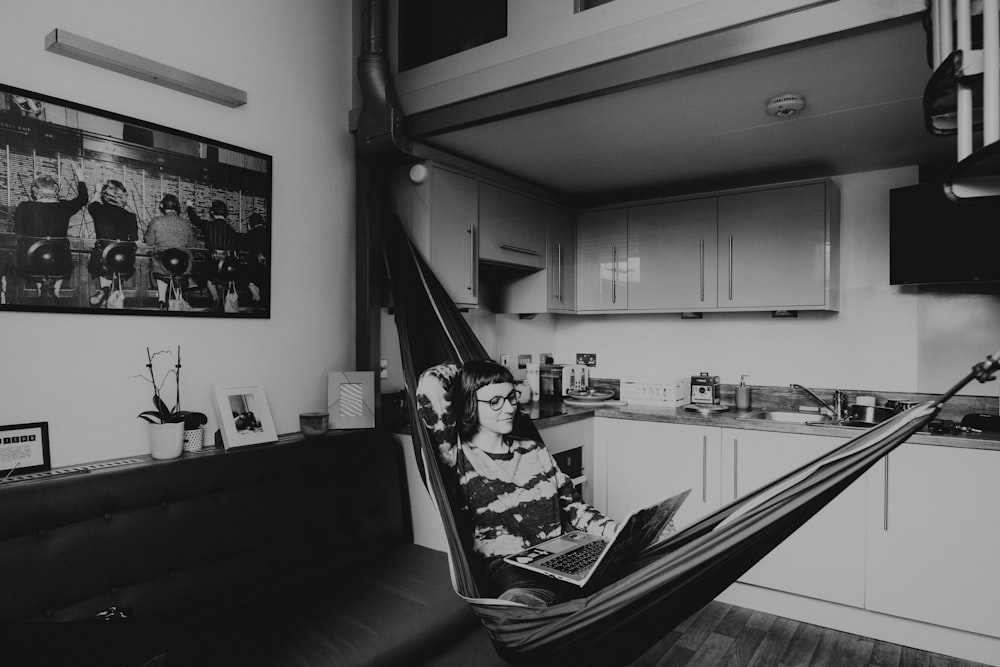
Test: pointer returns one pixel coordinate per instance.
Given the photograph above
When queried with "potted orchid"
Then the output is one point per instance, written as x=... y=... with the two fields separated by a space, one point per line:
x=170 y=428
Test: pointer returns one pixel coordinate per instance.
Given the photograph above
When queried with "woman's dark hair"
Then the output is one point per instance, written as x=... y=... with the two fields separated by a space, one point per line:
x=170 y=203
x=474 y=376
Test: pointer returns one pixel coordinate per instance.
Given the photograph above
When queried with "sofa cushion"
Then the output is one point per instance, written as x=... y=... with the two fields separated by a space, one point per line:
x=398 y=608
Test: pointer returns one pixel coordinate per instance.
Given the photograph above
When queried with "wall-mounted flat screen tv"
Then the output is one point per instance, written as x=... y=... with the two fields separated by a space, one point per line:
x=933 y=240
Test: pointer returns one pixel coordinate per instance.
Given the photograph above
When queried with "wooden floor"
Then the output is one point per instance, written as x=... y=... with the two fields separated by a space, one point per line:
x=723 y=635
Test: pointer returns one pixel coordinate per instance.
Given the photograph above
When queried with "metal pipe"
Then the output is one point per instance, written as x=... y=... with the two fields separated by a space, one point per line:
x=946 y=30
x=965 y=101
x=991 y=72
x=935 y=13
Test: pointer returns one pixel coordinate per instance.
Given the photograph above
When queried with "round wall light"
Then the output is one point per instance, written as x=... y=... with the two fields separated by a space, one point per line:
x=784 y=105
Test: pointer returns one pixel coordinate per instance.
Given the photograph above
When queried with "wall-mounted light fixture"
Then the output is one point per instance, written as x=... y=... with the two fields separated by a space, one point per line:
x=94 y=53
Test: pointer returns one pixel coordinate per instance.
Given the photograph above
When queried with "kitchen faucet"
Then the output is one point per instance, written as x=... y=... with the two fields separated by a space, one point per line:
x=838 y=411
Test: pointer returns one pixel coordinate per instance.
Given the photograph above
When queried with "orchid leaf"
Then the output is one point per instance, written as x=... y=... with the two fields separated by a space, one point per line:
x=161 y=406
x=151 y=416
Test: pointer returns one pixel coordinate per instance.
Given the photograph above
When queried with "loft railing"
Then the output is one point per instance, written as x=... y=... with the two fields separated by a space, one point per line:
x=962 y=96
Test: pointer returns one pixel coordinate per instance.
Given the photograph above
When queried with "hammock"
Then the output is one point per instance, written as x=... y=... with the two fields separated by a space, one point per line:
x=678 y=576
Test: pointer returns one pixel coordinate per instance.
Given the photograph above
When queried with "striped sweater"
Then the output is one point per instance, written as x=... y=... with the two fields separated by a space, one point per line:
x=519 y=498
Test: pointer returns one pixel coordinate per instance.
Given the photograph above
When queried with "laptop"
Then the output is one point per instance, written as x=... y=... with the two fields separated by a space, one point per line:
x=576 y=557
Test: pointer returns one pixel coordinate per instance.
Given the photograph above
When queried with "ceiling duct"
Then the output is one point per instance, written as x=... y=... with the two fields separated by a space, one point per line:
x=379 y=131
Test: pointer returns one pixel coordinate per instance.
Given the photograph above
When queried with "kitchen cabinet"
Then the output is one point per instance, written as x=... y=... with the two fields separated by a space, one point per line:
x=673 y=247
x=933 y=544
x=561 y=261
x=553 y=289
x=441 y=214
x=823 y=559
x=602 y=260
x=511 y=227
x=778 y=248
x=774 y=248
x=637 y=463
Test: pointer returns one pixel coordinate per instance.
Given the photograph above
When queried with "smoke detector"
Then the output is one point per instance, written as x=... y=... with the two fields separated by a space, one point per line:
x=784 y=105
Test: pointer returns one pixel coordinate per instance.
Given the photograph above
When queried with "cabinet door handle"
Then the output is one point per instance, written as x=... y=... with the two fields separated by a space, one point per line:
x=736 y=469
x=559 y=275
x=614 y=274
x=702 y=261
x=885 y=498
x=472 y=241
x=730 y=267
x=515 y=248
x=472 y=283
x=704 y=468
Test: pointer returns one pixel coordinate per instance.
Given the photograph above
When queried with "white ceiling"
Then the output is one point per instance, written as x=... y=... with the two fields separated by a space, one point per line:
x=709 y=129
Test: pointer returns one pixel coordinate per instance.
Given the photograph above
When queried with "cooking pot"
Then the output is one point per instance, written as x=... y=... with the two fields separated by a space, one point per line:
x=867 y=414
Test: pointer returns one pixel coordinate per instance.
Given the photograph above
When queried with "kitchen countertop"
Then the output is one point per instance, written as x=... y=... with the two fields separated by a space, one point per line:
x=552 y=413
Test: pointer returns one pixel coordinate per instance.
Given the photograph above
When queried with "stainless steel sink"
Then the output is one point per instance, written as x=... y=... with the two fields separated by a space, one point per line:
x=791 y=417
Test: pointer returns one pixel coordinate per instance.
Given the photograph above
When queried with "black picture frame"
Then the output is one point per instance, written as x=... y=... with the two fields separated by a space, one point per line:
x=218 y=267
x=24 y=448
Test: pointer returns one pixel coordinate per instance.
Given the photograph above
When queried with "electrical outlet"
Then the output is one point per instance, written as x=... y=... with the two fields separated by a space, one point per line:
x=505 y=360
x=383 y=369
x=523 y=360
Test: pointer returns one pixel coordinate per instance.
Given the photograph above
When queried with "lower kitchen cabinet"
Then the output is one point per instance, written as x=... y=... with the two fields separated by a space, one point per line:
x=637 y=463
x=934 y=537
x=825 y=558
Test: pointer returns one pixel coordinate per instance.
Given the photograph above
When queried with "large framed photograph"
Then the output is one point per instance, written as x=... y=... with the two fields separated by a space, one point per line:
x=24 y=448
x=101 y=213
x=244 y=415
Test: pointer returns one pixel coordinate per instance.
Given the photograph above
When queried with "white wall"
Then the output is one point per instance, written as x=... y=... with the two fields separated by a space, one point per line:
x=883 y=337
x=294 y=59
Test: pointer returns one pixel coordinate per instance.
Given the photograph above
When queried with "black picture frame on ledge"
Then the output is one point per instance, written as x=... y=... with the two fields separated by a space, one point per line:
x=24 y=448
x=114 y=249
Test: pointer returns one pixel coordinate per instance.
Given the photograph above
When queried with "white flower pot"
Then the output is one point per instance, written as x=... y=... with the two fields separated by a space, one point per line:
x=166 y=441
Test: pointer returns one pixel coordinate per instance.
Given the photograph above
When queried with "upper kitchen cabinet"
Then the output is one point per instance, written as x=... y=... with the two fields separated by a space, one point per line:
x=774 y=248
x=511 y=227
x=779 y=248
x=561 y=251
x=440 y=210
x=673 y=249
x=553 y=289
x=603 y=269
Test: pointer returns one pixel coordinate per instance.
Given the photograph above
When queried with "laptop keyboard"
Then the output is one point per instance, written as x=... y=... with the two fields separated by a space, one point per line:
x=579 y=559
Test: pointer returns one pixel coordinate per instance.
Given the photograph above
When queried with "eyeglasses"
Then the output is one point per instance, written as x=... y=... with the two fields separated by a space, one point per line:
x=497 y=401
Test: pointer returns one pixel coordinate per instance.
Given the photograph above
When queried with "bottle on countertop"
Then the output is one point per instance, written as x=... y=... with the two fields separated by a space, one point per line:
x=743 y=398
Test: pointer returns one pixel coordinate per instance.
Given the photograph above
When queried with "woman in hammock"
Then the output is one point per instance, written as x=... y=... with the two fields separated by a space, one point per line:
x=514 y=491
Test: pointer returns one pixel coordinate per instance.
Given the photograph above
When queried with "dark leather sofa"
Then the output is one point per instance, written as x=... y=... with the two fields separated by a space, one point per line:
x=296 y=553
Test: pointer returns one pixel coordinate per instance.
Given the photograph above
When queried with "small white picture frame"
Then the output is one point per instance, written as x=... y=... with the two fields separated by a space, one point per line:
x=351 y=399
x=244 y=415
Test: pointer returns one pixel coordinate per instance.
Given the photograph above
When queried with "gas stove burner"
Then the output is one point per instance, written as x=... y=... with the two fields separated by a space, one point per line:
x=706 y=408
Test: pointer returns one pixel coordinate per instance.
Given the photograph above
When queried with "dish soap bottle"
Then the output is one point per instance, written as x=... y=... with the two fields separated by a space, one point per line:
x=743 y=394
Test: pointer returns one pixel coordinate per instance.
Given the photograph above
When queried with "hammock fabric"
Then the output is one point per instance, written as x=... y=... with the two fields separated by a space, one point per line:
x=676 y=577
